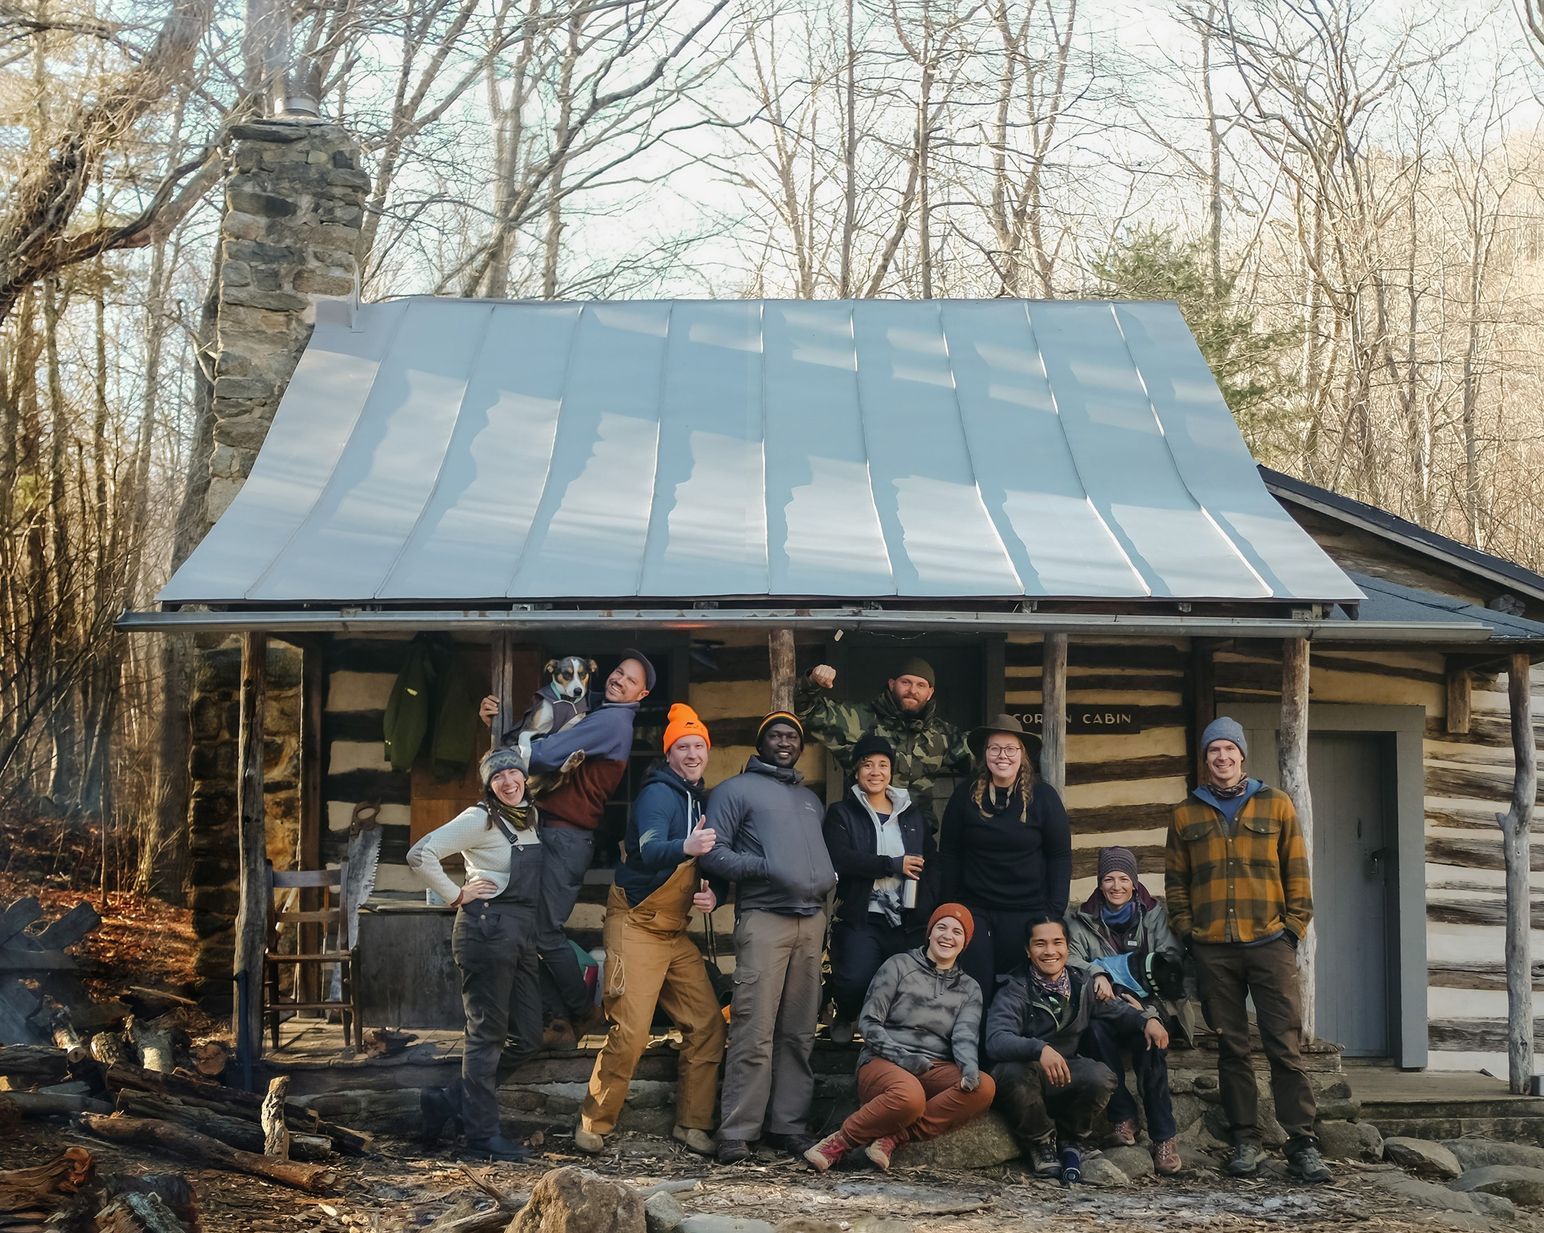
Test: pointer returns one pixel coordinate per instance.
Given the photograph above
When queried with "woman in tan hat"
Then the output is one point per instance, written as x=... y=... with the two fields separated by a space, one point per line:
x=1004 y=850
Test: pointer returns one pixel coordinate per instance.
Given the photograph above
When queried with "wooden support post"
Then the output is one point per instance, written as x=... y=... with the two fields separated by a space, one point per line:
x=1515 y=845
x=784 y=667
x=1292 y=753
x=503 y=684
x=1460 y=689
x=1053 y=706
x=313 y=701
x=252 y=841
x=1201 y=702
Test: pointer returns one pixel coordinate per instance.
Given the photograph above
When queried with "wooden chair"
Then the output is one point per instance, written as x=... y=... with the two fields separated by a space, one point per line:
x=329 y=935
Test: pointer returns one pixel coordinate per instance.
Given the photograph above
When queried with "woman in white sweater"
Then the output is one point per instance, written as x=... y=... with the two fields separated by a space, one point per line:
x=493 y=943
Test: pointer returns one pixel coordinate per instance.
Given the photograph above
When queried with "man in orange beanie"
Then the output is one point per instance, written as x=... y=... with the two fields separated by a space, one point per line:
x=649 y=959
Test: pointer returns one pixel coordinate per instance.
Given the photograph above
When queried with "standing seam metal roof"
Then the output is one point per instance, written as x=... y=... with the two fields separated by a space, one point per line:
x=438 y=450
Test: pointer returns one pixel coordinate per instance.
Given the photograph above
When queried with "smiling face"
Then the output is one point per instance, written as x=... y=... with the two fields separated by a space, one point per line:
x=873 y=774
x=1117 y=888
x=509 y=786
x=911 y=693
x=688 y=757
x=780 y=745
x=1047 y=947
x=945 y=941
x=628 y=682
x=1224 y=763
x=1004 y=755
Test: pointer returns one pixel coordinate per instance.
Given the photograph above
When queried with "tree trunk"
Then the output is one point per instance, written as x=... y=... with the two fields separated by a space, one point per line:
x=1515 y=847
x=780 y=653
x=252 y=916
x=1053 y=708
x=1292 y=754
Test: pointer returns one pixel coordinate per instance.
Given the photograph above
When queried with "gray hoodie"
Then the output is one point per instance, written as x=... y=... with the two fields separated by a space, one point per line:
x=916 y=1014
x=769 y=842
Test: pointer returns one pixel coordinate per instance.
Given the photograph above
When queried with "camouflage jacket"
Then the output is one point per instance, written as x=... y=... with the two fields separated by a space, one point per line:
x=927 y=746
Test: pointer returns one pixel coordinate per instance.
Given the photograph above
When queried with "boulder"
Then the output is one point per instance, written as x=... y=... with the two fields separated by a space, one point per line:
x=662 y=1213
x=1100 y=1170
x=979 y=1144
x=706 y=1222
x=1339 y=1110
x=1520 y=1184
x=807 y=1224
x=1350 y=1141
x=575 y=1200
x=1134 y=1162
x=879 y=1224
x=1493 y=1205
x=1474 y=1152
x=1423 y=1193
x=1270 y=1131
x=1422 y=1157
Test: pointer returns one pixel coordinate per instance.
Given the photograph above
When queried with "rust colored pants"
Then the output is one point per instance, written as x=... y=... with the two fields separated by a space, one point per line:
x=651 y=962
x=913 y=1107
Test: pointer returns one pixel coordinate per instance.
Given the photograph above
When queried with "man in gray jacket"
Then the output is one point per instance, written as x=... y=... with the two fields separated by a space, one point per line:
x=770 y=845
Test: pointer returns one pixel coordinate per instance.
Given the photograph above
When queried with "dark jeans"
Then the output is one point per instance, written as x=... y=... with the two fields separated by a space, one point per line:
x=857 y=951
x=996 y=948
x=1112 y=1044
x=567 y=856
x=494 y=947
x=1268 y=973
x=1034 y=1110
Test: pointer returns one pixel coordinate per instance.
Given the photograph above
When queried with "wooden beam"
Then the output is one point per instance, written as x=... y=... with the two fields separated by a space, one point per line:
x=313 y=702
x=503 y=664
x=1053 y=706
x=1200 y=703
x=1515 y=825
x=1292 y=752
x=252 y=843
x=1460 y=692
x=784 y=668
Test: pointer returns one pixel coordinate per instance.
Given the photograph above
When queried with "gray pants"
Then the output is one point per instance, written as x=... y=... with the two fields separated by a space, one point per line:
x=1034 y=1110
x=494 y=947
x=567 y=856
x=767 y=1078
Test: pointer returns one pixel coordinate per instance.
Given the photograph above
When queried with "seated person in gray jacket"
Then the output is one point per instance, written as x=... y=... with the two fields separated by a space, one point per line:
x=1044 y=1089
x=918 y=1077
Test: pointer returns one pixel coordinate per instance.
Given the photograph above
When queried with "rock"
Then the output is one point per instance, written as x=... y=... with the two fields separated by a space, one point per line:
x=661 y=1212
x=1100 y=1170
x=1350 y=1141
x=1524 y=1186
x=879 y=1224
x=575 y=1200
x=1339 y=1110
x=1271 y=1133
x=1422 y=1157
x=1134 y=1162
x=979 y=1144
x=807 y=1224
x=1493 y=1205
x=1424 y=1193
x=1474 y=1152
x=706 y=1222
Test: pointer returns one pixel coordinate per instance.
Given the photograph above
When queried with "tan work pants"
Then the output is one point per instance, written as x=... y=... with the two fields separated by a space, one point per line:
x=651 y=962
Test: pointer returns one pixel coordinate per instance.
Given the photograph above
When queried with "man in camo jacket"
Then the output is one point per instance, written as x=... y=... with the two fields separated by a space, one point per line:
x=926 y=745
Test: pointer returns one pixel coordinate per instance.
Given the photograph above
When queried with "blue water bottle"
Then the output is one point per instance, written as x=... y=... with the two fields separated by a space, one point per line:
x=1072 y=1165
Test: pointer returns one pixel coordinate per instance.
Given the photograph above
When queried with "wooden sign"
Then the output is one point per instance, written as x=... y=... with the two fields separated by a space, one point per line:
x=1092 y=718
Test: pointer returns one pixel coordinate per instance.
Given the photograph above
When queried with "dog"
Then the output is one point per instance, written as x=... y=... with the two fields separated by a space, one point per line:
x=562 y=700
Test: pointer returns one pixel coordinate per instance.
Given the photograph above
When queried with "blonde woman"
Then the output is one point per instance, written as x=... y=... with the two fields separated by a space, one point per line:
x=1004 y=851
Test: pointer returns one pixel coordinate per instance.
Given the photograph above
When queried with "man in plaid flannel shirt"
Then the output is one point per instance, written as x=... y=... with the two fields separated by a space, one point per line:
x=1237 y=890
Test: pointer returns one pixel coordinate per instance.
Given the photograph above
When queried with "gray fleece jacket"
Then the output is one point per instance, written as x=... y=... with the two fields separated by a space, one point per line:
x=916 y=1014
x=769 y=842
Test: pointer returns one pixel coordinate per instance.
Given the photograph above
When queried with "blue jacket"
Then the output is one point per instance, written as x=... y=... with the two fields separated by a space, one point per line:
x=666 y=810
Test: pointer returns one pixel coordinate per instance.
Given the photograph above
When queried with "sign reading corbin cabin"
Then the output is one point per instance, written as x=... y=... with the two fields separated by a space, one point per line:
x=1092 y=717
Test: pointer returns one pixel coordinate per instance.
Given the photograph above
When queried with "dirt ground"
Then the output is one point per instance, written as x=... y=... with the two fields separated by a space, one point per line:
x=402 y=1190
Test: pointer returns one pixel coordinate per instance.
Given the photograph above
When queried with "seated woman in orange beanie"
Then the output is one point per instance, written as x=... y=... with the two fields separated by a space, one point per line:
x=649 y=959
x=918 y=1074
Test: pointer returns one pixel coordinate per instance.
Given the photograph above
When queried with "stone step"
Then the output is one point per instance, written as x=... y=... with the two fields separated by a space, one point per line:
x=1519 y=1108
x=1506 y=1129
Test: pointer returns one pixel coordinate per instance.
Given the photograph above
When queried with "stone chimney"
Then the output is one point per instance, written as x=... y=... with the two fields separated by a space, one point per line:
x=294 y=199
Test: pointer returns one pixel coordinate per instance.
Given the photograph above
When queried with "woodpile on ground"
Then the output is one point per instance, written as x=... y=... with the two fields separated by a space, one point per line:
x=68 y=1195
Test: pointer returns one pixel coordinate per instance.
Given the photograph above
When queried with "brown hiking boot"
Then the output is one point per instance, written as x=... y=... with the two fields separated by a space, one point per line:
x=880 y=1150
x=1166 y=1159
x=827 y=1152
x=559 y=1035
x=1123 y=1133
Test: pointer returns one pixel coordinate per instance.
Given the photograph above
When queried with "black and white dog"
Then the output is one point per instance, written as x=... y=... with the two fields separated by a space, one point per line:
x=563 y=699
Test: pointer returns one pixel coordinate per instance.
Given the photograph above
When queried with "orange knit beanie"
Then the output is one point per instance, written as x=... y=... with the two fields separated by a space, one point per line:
x=684 y=722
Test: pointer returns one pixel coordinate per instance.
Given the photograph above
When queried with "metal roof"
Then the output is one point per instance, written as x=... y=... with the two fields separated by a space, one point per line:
x=433 y=450
x=1389 y=602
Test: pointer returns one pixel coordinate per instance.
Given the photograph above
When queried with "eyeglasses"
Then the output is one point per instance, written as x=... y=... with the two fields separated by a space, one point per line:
x=997 y=751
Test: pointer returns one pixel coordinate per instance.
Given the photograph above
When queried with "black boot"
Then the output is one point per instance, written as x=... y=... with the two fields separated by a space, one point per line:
x=440 y=1112
x=496 y=1148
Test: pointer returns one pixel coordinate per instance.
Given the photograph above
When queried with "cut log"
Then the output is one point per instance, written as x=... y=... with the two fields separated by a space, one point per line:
x=210 y=1058
x=189 y=1144
x=53 y=1104
x=37 y=1064
x=229 y=1129
x=42 y=1189
x=138 y=1213
x=276 y=1135
x=18 y=916
x=111 y=1049
x=153 y=1045
x=64 y=1034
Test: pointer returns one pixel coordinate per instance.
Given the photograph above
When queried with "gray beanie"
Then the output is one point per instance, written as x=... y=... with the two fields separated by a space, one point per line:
x=1224 y=728
x=1118 y=860
x=504 y=758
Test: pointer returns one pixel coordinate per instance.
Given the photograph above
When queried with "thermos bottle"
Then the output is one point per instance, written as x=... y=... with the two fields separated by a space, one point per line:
x=1072 y=1165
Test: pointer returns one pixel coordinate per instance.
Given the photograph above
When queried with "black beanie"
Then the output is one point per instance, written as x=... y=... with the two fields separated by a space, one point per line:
x=872 y=743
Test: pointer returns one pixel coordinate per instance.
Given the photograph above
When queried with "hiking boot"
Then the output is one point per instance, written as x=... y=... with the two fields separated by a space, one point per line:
x=794 y=1144
x=1307 y=1165
x=439 y=1114
x=588 y=1142
x=880 y=1151
x=496 y=1147
x=827 y=1152
x=1043 y=1161
x=842 y=1032
x=591 y=1023
x=559 y=1034
x=692 y=1139
x=1245 y=1159
x=732 y=1151
x=1124 y=1132
x=1166 y=1159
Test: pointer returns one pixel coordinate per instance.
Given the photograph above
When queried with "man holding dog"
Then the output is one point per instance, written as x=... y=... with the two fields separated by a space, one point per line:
x=1236 y=882
x=592 y=755
x=926 y=745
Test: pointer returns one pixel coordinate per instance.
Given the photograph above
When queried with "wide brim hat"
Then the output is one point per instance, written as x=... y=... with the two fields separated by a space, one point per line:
x=1007 y=725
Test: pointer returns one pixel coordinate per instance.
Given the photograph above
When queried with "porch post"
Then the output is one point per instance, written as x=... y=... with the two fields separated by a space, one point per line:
x=784 y=667
x=1053 y=706
x=252 y=913
x=503 y=664
x=1515 y=847
x=1293 y=755
x=313 y=698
